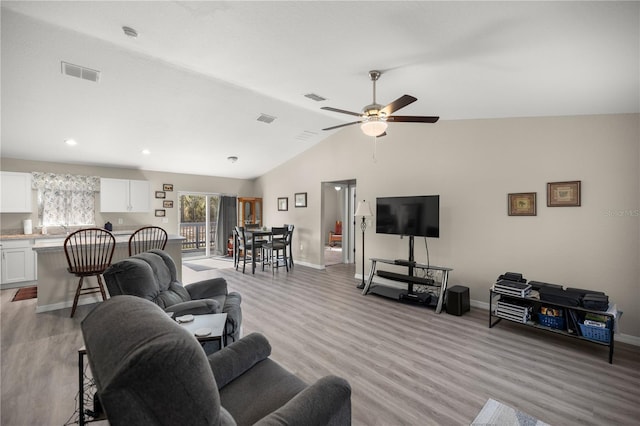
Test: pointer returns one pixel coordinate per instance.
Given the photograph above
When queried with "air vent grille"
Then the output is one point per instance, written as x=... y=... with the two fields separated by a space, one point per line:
x=80 y=72
x=315 y=97
x=306 y=135
x=266 y=118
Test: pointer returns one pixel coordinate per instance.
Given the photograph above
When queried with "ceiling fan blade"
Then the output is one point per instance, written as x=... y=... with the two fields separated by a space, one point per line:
x=401 y=102
x=342 y=125
x=412 y=119
x=357 y=114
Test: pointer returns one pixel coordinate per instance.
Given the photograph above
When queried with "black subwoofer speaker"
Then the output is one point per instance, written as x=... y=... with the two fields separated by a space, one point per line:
x=458 y=300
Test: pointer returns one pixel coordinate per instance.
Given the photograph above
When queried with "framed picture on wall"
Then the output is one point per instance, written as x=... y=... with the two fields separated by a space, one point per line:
x=563 y=194
x=522 y=204
x=161 y=194
x=301 y=199
x=283 y=204
x=160 y=213
x=167 y=187
x=167 y=204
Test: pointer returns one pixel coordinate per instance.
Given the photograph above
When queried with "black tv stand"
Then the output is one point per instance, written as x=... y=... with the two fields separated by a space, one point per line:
x=439 y=288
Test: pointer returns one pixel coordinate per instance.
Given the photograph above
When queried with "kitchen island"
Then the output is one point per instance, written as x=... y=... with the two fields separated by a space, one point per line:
x=57 y=287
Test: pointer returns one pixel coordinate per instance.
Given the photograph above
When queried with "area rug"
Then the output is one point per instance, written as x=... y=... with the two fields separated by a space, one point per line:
x=25 y=293
x=497 y=413
x=197 y=267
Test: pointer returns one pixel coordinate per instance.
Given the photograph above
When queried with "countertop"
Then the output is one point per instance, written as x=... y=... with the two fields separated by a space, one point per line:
x=57 y=244
x=10 y=237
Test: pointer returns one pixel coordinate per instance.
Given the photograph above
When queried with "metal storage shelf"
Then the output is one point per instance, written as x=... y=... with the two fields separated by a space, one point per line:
x=536 y=304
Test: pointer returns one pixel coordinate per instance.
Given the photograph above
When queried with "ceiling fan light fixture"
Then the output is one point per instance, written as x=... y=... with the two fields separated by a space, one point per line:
x=373 y=127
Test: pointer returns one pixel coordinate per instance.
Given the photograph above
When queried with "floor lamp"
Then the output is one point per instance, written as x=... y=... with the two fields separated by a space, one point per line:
x=365 y=211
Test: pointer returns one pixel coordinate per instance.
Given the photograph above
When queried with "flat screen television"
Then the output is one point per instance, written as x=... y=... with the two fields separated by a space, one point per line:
x=417 y=216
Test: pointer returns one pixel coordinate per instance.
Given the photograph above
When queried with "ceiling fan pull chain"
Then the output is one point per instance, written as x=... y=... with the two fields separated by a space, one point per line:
x=375 y=149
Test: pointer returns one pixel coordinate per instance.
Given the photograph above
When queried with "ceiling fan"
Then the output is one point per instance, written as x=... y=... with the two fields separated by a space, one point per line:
x=374 y=117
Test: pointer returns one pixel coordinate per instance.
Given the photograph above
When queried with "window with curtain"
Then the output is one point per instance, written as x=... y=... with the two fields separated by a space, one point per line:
x=65 y=199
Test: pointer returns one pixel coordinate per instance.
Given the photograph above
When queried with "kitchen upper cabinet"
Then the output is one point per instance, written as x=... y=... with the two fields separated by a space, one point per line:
x=16 y=192
x=123 y=195
x=18 y=261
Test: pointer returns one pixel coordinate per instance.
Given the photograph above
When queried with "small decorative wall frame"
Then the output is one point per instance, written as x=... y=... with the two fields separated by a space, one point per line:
x=160 y=213
x=283 y=204
x=167 y=204
x=167 y=187
x=161 y=194
x=522 y=204
x=300 y=199
x=563 y=194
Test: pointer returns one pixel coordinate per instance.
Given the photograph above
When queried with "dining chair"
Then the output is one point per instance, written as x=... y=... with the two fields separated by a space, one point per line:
x=272 y=249
x=236 y=248
x=245 y=247
x=289 y=244
x=89 y=252
x=147 y=238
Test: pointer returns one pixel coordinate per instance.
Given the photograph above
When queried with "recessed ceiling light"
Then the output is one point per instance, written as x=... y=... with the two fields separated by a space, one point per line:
x=146 y=152
x=232 y=158
x=70 y=142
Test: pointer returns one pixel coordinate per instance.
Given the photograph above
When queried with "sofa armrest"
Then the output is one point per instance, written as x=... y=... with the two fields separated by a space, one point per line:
x=231 y=362
x=195 y=307
x=234 y=315
x=326 y=402
x=207 y=288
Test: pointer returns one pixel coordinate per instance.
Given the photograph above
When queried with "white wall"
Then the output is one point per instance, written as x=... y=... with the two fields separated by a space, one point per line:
x=473 y=165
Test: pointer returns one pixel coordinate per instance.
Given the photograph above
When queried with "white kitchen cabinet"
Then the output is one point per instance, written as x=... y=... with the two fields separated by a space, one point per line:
x=15 y=192
x=18 y=262
x=123 y=195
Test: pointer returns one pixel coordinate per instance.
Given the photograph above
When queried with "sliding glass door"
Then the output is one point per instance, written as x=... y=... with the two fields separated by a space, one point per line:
x=206 y=222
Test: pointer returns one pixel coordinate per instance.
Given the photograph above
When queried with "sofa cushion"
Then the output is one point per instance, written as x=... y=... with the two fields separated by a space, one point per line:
x=260 y=390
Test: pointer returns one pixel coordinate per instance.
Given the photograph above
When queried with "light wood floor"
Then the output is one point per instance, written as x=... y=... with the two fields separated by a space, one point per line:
x=406 y=365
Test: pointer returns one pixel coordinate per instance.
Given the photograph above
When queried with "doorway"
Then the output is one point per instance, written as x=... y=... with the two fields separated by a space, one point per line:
x=338 y=206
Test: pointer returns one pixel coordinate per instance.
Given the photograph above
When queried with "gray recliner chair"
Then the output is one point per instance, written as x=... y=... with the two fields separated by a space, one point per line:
x=152 y=275
x=149 y=371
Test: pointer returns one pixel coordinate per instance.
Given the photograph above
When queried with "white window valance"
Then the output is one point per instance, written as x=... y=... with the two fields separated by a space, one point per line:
x=65 y=182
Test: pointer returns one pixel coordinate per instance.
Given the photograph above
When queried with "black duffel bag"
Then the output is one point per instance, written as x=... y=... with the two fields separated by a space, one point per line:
x=560 y=296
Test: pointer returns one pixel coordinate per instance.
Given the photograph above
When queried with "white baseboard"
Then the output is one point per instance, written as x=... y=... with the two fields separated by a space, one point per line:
x=87 y=300
x=309 y=265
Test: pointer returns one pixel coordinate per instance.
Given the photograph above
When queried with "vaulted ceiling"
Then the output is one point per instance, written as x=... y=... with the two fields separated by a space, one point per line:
x=193 y=84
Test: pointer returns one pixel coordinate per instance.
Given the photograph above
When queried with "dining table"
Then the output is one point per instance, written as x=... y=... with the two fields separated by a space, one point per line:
x=257 y=235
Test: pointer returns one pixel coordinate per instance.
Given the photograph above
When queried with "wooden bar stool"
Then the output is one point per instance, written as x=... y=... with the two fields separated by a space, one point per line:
x=89 y=253
x=147 y=238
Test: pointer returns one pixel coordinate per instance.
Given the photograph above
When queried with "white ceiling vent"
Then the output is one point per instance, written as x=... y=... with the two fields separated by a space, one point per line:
x=266 y=118
x=315 y=97
x=80 y=72
x=306 y=135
